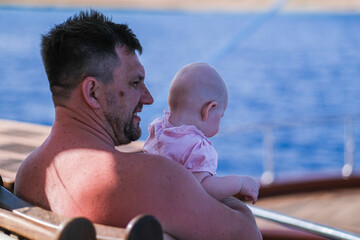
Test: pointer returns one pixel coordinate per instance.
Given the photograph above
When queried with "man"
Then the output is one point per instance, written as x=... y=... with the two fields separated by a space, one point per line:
x=98 y=89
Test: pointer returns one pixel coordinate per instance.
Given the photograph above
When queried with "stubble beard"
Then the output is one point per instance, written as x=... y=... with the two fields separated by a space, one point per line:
x=132 y=132
x=125 y=132
x=123 y=129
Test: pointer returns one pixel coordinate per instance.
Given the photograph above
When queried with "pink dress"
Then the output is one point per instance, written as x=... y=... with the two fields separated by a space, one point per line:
x=184 y=144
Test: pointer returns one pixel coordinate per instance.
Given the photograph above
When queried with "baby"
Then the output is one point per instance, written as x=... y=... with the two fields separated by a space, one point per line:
x=197 y=100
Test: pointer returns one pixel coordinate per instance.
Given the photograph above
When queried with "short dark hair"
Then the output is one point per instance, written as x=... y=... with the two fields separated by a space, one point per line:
x=84 y=45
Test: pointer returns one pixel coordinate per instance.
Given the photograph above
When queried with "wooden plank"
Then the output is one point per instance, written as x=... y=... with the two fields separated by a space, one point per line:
x=33 y=222
x=338 y=208
x=24 y=227
x=303 y=225
x=23 y=219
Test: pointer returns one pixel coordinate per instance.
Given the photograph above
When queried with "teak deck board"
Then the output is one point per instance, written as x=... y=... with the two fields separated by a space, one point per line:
x=338 y=208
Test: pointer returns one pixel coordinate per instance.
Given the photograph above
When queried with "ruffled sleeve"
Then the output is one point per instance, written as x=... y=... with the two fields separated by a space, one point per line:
x=189 y=147
x=200 y=156
x=185 y=145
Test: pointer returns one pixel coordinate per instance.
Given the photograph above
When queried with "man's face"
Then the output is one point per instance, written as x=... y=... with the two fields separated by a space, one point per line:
x=125 y=97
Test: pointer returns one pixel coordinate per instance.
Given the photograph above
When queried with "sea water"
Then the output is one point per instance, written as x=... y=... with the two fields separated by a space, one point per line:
x=294 y=75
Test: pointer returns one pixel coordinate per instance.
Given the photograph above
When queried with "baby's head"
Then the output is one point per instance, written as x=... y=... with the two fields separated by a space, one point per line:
x=198 y=96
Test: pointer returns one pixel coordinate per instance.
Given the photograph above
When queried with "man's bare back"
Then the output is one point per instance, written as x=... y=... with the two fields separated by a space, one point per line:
x=78 y=172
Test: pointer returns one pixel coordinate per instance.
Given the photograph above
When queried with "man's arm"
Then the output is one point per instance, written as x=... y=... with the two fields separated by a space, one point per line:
x=236 y=204
x=186 y=211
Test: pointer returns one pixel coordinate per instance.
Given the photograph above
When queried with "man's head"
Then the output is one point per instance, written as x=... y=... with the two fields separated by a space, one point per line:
x=94 y=71
x=84 y=45
x=199 y=92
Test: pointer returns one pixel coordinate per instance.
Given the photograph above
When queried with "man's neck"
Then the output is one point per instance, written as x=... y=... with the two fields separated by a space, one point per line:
x=81 y=122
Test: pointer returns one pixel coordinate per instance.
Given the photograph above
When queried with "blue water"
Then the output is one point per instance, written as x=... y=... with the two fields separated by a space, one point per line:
x=287 y=67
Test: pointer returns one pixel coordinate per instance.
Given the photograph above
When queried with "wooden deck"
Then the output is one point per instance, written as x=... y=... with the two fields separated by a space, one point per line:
x=338 y=208
x=326 y=199
x=17 y=140
x=337 y=205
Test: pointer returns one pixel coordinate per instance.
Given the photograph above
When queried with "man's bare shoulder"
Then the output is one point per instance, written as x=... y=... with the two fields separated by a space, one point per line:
x=147 y=168
x=122 y=187
x=147 y=160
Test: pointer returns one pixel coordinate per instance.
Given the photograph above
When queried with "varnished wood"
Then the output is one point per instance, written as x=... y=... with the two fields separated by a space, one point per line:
x=25 y=220
x=311 y=182
x=338 y=208
x=326 y=199
x=25 y=228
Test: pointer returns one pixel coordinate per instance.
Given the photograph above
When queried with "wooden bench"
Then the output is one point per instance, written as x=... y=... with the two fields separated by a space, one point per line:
x=21 y=220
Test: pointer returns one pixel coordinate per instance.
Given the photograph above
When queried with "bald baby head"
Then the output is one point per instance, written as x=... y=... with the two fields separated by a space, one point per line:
x=194 y=85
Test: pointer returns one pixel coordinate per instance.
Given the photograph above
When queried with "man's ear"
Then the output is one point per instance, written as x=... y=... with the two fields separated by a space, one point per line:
x=90 y=91
x=206 y=109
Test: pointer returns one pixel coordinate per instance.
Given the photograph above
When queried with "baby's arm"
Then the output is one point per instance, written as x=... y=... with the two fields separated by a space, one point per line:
x=222 y=187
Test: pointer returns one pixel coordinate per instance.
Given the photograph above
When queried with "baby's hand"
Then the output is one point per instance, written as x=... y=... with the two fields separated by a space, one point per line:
x=249 y=188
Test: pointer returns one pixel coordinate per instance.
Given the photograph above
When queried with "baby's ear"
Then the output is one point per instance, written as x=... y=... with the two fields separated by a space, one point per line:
x=89 y=89
x=206 y=109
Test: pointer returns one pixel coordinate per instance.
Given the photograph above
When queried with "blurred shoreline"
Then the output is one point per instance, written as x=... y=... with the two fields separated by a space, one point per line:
x=198 y=5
